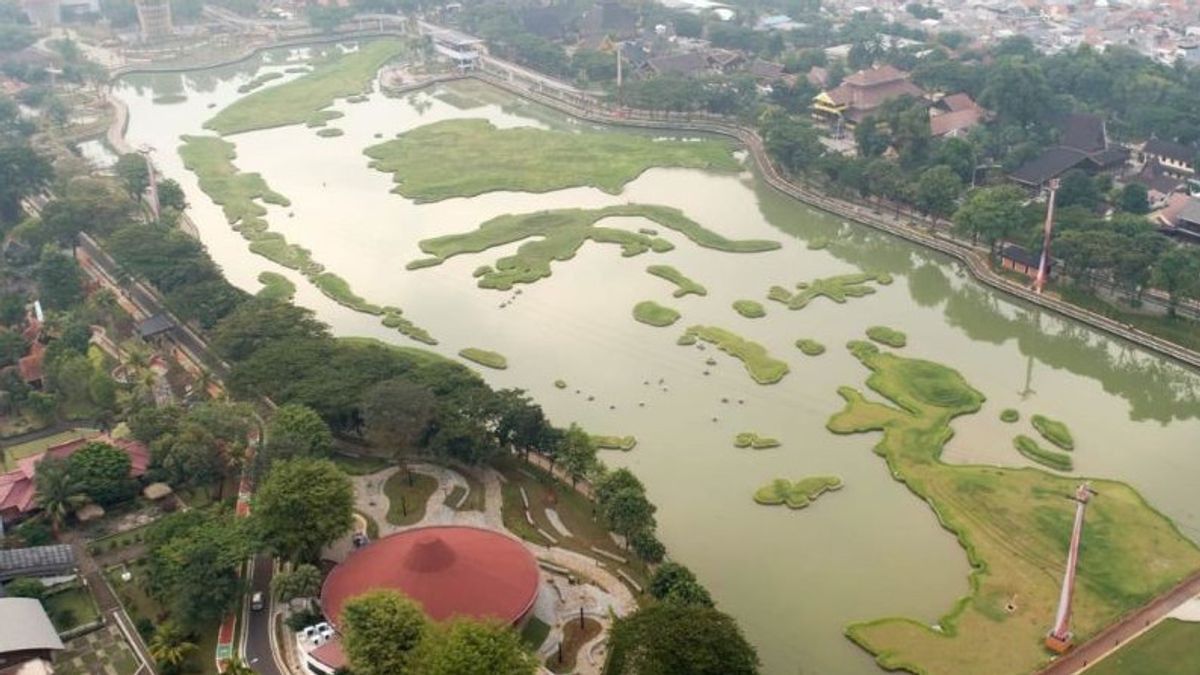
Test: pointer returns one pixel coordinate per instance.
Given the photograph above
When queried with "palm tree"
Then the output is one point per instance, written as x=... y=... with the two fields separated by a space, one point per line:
x=58 y=491
x=237 y=666
x=170 y=647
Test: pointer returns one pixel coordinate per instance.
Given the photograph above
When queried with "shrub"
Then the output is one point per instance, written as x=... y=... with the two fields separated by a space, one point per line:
x=25 y=587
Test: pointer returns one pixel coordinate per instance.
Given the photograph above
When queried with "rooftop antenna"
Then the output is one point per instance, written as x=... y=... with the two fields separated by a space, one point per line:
x=1060 y=639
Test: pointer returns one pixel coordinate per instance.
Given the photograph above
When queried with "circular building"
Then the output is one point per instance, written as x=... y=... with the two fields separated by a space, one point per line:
x=450 y=570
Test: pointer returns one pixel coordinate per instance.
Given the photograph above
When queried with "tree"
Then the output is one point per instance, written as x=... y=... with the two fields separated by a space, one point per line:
x=396 y=413
x=12 y=347
x=792 y=142
x=467 y=647
x=236 y=666
x=1077 y=189
x=298 y=431
x=303 y=505
x=937 y=190
x=171 y=196
x=673 y=582
x=1018 y=91
x=103 y=472
x=576 y=453
x=957 y=154
x=1134 y=199
x=88 y=204
x=1177 y=272
x=59 y=492
x=150 y=422
x=26 y=587
x=380 y=630
x=647 y=546
x=870 y=138
x=302 y=582
x=628 y=512
x=672 y=638
x=59 y=279
x=23 y=173
x=994 y=213
x=258 y=322
x=193 y=564
x=170 y=647
x=131 y=169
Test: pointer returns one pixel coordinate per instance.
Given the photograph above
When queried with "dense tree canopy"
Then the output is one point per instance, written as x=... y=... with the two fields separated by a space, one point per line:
x=103 y=472
x=193 y=563
x=467 y=647
x=380 y=630
x=298 y=431
x=302 y=506
x=672 y=638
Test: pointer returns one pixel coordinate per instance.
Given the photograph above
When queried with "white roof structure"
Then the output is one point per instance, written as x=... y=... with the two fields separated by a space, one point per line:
x=26 y=626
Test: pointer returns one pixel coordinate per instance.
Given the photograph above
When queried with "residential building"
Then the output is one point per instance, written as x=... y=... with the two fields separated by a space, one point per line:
x=1177 y=160
x=864 y=92
x=954 y=116
x=27 y=633
x=51 y=564
x=154 y=17
x=1083 y=143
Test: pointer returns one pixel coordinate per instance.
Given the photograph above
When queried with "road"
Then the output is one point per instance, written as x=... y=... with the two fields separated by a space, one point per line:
x=256 y=645
x=1120 y=633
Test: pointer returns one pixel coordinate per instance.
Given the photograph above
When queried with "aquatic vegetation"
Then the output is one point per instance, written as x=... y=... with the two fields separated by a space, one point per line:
x=1009 y=415
x=332 y=132
x=338 y=290
x=558 y=235
x=484 y=358
x=798 y=494
x=624 y=443
x=818 y=244
x=427 y=162
x=275 y=286
x=810 y=347
x=258 y=82
x=887 y=336
x=560 y=384
x=654 y=314
x=393 y=318
x=749 y=309
x=169 y=99
x=837 y=289
x=685 y=285
x=1013 y=525
x=1030 y=449
x=749 y=439
x=762 y=367
x=1054 y=431
x=305 y=98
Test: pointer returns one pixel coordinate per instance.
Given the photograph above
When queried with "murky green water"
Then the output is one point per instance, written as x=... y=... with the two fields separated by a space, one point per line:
x=793 y=579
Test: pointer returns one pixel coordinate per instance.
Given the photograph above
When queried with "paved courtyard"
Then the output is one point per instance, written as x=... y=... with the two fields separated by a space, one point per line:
x=101 y=652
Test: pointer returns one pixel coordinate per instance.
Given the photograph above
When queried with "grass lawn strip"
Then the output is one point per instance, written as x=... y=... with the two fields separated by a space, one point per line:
x=259 y=81
x=574 y=638
x=1170 y=648
x=558 y=235
x=426 y=163
x=276 y=286
x=239 y=195
x=484 y=358
x=1014 y=525
x=837 y=289
x=810 y=347
x=624 y=443
x=654 y=314
x=762 y=367
x=70 y=606
x=1054 y=431
x=15 y=453
x=304 y=98
x=887 y=336
x=1049 y=458
x=749 y=439
x=360 y=465
x=749 y=309
x=400 y=494
x=684 y=285
x=798 y=494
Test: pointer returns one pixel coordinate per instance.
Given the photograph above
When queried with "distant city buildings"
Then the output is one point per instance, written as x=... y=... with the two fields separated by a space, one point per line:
x=154 y=17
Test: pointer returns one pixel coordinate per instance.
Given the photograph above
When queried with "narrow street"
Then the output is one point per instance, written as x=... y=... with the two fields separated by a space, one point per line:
x=256 y=649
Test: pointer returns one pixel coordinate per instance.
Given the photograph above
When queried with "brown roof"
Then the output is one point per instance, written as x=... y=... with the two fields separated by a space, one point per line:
x=959 y=102
x=817 y=76
x=864 y=99
x=766 y=70
x=951 y=122
x=30 y=365
x=876 y=76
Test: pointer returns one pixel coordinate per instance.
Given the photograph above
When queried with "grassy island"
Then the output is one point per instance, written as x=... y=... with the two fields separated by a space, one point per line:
x=837 y=289
x=1009 y=415
x=887 y=336
x=624 y=443
x=1054 y=431
x=749 y=309
x=484 y=358
x=427 y=162
x=259 y=82
x=331 y=132
x=558 y=235
x=762 y=367
x=1048 y=458
x=305 y=98
x=810 y=347
x=1014 y=526
x=797 y=494
x=685 y=286
x=275 y=286
x=654 y=314
x=749 y=439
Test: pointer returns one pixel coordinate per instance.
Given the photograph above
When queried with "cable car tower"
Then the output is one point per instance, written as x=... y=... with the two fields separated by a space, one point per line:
x=1043 y=272
x=1060 y=639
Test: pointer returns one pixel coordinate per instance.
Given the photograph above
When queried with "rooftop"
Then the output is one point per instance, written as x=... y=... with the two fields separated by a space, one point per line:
x=26 y=626
x=35 y=561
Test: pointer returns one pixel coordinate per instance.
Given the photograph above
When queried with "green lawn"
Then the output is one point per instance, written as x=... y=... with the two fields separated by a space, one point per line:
x=415 y=496
x=303 y=99
x=484 y=358
x=361 y=465
x=1014 y=526
x=762 y=367
x=1181 y=331
x=557 y=235
x=70 y=607
x=654 y=314
x=427 y=162
x=1170 y=648
x=684 y=285
x=14 y=453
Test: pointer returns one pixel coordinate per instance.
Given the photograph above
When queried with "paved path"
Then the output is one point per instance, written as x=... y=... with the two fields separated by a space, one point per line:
x=1111 y=638
x=106 y=600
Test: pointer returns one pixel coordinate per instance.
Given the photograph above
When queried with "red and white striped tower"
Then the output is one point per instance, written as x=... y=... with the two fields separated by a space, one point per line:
x=1043 y=272
x=1059 y=639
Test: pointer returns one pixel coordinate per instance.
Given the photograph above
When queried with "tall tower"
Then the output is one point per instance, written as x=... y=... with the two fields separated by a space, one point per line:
x=154 y=16
x=1059 y=640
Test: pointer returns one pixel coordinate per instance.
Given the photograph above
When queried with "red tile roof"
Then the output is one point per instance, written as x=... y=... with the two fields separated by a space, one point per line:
x=18 y=491
x=948 y=123
x=450 y=571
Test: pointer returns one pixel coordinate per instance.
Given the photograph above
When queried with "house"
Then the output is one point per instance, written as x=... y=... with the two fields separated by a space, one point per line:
x=18 y=489
x=52 y=563
x=766 y=72
x=1083 y=144
x=724 y=60
x=1021 y=261
x=817 y=77
x=1187 y=222
x=686 y=63
x=863 y=92
x=1167 y=217
x=28 y=634
x=954 y=116
x=1177 y=160
x=155 y=327
x=1160 y=184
